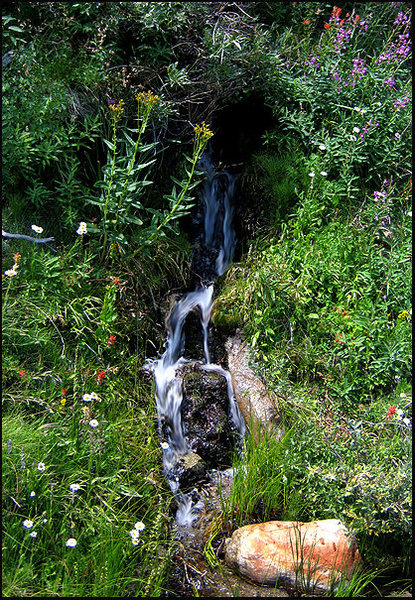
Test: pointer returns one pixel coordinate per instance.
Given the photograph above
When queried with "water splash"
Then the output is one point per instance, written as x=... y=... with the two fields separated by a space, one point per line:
x=218 y=242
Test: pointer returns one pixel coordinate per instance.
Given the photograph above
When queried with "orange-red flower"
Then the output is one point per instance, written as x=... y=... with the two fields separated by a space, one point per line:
x=64 y=391
x=327 y=25
x=391 y=411
x=111 y=340
x=306 y=22
x=101 y=375
x=22 y=373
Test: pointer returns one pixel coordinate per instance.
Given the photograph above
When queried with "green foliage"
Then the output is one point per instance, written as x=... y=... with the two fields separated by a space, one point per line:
x=323 y=295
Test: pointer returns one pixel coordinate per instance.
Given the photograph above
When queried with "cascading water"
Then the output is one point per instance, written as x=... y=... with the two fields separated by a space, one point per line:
x=218 y=243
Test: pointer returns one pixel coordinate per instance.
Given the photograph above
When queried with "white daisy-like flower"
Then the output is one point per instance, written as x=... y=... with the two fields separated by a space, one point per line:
x=357 y=109
x=312 y=174
x=356 y=129
x=399 y=413
x=32 y=494
x=33 y=534
x=139 y=526
x=71 y=543
x=134 y=533
x=322 y=147
x=44 y=521
x=407 y=421
x=323 y=173
x=93 y=423
x=37 y=228
x=402 y=395
x=87 y=397
x=27 y=523
x=353 y=138
x=10 y=272
x=135 y=541
x=74 y=487
x=41 y=467
x=164 y=445
x=82 y=228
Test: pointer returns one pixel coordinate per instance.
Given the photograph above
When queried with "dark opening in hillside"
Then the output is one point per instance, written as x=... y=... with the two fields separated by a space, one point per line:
x=238 y=129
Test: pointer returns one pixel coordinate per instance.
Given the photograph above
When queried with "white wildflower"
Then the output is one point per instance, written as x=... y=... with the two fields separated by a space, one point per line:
x=135 y=541
x=399 y=414
x=71 y=543
x=353 y=138
x=139 y=526
x=407 y=421
x=312 y=174
x=10 y=272
x=356 y=129
x=93 y=423
x=164 y=445
x=37 y=228
x=82 y=228
x=27 y=523
x=41 y=467
x=33 y=534
x=87 y=397
x=402 y=395
x=74 y=487
x=323 y=173
x=322 y=147
x=32 y=494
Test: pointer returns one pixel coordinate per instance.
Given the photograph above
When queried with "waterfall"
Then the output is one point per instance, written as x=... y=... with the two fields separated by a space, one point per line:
x=218 y=244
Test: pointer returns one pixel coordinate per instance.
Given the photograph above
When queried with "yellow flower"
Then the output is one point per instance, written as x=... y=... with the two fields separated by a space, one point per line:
x=146 y=98
x=403 y=314
x=63 y=401
x=203 y=133
x=117 y=109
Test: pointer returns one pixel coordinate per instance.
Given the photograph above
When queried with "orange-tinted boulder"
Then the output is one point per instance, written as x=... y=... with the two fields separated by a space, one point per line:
x=307 y=555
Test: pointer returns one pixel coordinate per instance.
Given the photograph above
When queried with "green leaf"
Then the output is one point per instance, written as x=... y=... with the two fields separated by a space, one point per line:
x=110 y=145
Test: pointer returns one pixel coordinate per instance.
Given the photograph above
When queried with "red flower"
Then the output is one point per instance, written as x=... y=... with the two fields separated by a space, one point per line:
x=22 y=373
x=101 y=375
x=391 y=411
x=336 y=12
x=111 y=340
x=338 y=339
x=116 y=281
x=306 y=22
x=327 y=25
x=357 y=18
x=64 y=391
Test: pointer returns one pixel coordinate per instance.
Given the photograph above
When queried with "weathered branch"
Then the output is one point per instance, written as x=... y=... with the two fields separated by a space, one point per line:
x=28 y=238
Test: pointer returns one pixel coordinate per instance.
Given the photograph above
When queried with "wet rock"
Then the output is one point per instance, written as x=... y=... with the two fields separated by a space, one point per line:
x=254 y=400
x=308 y=555
x=189 y=469
x=205 y=417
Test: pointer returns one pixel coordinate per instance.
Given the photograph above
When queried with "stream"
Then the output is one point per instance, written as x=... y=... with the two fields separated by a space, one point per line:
x=217 y=245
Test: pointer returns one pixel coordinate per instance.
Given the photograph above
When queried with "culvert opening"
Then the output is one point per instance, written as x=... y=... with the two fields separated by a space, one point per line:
x=238 y=129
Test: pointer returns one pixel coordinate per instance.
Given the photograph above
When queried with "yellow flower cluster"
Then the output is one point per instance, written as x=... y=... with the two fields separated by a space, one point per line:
x=202 y=131
x=403 y=315
x=146 y=98
x=117 y=108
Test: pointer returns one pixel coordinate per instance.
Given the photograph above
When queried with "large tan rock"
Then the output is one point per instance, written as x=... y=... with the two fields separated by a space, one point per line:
x=254 y=400
x=307 y=555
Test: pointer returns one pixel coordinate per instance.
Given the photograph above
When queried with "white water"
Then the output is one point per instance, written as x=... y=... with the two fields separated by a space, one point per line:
x=219 y=239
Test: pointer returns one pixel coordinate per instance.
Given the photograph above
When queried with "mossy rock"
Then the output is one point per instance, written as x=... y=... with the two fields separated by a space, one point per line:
x=225 y=317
